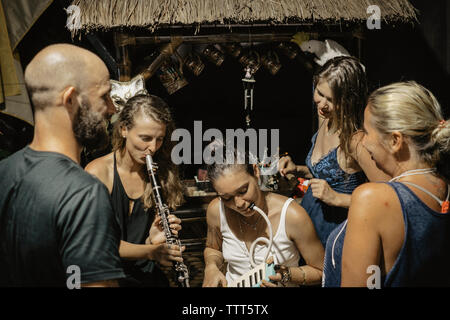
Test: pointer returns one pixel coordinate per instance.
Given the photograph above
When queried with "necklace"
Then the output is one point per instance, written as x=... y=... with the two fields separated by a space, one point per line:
x=444 y=204
x=253 y=226
x=414 y=172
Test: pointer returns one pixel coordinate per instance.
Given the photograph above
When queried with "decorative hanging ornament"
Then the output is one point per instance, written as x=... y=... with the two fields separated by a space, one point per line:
x=194 y=63
x=214 y=55
x=171 y=75
x=249 y=84
x=271 y=62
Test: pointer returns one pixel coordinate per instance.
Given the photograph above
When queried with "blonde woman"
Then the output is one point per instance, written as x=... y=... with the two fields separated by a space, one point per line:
x=144 y=127
x=399 y=229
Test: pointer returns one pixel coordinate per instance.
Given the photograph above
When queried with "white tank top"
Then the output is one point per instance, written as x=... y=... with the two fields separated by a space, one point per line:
x=236 y=254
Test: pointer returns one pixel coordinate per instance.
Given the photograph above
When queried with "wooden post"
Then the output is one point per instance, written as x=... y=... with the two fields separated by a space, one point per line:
x=122 y=42
x=359 y=35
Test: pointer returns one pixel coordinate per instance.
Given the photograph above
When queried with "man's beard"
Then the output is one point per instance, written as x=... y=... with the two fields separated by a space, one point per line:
x=89 y=128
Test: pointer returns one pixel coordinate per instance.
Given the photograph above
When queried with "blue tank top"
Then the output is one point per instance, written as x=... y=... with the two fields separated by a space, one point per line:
x=324 y=217
x=327 y=168
x=424 y=258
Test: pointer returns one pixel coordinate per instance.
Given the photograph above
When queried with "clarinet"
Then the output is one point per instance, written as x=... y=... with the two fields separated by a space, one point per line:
x=181 y=270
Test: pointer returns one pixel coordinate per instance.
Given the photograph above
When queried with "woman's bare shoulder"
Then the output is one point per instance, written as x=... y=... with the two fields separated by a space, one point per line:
x=373 y=200
x=102 y=168
x=277 y=199
x=294 y=210
x=356 y=143
x=213 y=212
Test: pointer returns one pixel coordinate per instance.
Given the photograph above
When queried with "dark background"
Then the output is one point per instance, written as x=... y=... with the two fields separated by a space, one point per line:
x=398 y=52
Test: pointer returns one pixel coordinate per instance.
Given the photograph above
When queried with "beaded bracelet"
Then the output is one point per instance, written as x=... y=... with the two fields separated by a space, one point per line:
x=285 y=275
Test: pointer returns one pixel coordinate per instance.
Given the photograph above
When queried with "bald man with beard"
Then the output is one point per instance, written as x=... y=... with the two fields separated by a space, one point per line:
x=56 y=219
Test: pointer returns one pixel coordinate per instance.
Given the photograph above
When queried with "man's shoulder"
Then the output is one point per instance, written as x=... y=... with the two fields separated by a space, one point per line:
x=63 y=169
x=53 y=171
x=10 y=166
x=74 y=178
x=12 y=158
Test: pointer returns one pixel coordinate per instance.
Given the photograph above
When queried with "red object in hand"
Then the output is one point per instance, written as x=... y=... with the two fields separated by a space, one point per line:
x=303 y=184
x=301 y=187
x=444 y=208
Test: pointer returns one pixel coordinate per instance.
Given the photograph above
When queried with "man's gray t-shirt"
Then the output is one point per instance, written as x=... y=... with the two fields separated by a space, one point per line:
x=54 y=215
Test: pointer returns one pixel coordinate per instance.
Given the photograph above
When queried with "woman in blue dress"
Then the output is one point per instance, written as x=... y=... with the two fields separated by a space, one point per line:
x=336 y=162
x=397 y=233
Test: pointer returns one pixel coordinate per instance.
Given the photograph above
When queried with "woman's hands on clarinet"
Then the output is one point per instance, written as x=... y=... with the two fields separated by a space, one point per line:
x=164 y=253
x=156 y=234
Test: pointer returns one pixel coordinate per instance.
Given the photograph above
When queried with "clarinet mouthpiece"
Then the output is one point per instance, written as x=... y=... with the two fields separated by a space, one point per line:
x=149 y=161
x=150 y=164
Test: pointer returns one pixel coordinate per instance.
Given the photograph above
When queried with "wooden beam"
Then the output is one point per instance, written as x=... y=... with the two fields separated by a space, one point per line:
x=103 y=52
x=122 y=42
x=165 y=52
x=236 y=37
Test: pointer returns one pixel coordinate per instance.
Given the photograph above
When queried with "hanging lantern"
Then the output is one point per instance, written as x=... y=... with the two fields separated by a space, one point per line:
x=289 y=49
x=233 y=49
x=251 y=60
x=194 y=63
x=271 y=62
x=214 y=55
x=171 y=75
x=249 y=84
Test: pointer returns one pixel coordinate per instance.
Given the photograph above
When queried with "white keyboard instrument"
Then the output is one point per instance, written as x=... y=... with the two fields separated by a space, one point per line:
x=254 y=277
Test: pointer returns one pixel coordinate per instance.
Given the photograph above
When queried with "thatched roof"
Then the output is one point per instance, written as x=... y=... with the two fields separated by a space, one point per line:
x=153 y=14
